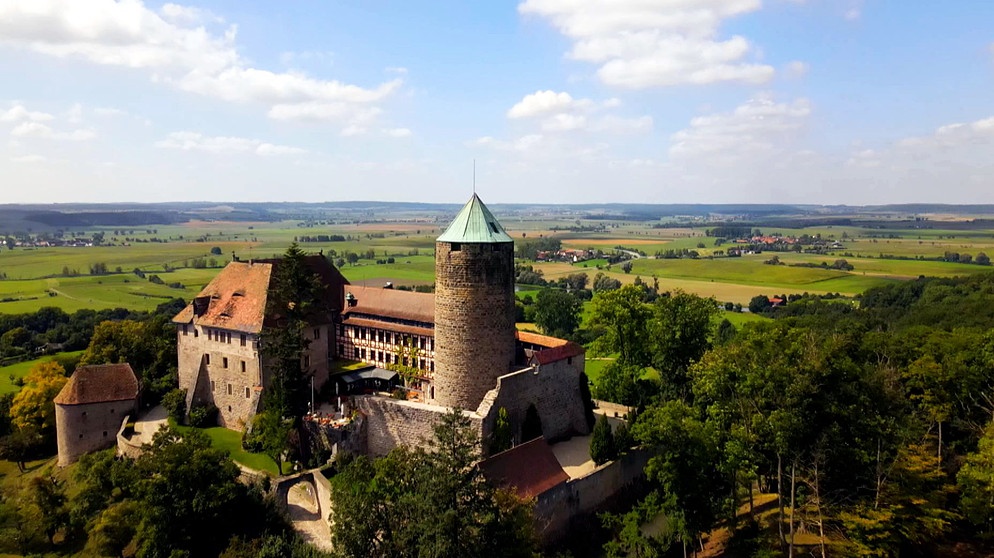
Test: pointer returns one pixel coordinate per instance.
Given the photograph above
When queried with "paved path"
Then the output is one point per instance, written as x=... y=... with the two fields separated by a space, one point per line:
x=306 y=514
x=149 y=424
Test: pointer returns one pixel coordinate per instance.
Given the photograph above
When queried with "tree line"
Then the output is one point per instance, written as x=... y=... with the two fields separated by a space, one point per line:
x=871 y=427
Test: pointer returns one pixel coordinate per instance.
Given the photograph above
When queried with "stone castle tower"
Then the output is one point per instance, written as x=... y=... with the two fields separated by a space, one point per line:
x=474 y=307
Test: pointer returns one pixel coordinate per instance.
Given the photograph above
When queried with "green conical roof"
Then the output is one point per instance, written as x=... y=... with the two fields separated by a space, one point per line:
x=475 y=223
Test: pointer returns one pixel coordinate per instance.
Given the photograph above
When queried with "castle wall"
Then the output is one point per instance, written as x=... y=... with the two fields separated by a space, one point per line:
x=393 y=422
x=566 y=505
x=553 y=388
x=232 y=373
x=81 y=429
x=474 y=320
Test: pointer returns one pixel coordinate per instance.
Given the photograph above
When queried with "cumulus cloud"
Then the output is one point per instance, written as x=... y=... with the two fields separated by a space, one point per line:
x=561 y=112
x=35 y=124
x=649 y=43
x=18 y=112
x=760 y=125
x=546 y=102
x=194 y=141
x=177 y=47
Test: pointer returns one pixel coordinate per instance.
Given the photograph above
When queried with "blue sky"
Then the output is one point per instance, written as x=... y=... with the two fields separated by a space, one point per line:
x=663 y=101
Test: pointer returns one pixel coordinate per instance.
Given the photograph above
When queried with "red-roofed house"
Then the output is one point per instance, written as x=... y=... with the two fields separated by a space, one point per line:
x=91 y=407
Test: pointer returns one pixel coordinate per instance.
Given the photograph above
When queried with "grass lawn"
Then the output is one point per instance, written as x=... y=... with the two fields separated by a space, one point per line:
x=20 y=369
x=594 y=366
x=740 y=319
x=231 y=441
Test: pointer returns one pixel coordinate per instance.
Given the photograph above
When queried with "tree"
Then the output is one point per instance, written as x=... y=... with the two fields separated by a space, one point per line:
x=604 y=283
x=626 y=266
x=187 y=491
x=175 y=404
x=759 y=304
x=428 y=503
x=215 y=250
x=272 y=434
x=502 y=435
x=680 y=334
x=293 y=298
x=557 y=312
x=33 y=406
x=976 y=484
x=625 y=319
x=578 y=281
x=602 y=447
x=982 y=259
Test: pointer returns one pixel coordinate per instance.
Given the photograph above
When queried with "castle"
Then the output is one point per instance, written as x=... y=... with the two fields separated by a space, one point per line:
x=461 y=341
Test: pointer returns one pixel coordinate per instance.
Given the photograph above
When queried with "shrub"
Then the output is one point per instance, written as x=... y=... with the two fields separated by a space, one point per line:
x=203 y=416
x=175 y=404
x=602 y=447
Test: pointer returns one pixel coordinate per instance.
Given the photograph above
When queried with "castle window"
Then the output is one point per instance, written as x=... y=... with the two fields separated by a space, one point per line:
x=569 y=360
x=84 y=413
x=433 y=343
x=431 y=366
x=105 y=433
x=80 y=436
x=380 y=336
x=184 y=329
x=389 y=337
x=210 y=335
x=307 y=360
x=317 y=333
x=112 y=411
x=241 y=339
x=243 y=366
x=229 y=408
x=213 y=387
x=207 y=358
x=341 y=349
x=456 y=247
x=380 y=356
x=363 y=354
x=224 y=362
x=355 y=353
x=196 y=333
x=229 y=393
x=341 y=330
x=246 y=392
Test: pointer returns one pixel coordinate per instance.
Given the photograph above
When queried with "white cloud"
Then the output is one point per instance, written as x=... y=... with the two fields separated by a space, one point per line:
x=796 y=69
x=176 y=46
x=545 y=102
x=759 y=125
x=18 y=113
x=398 y=132
x=194 y=141
x=31 y=129
x=649 y=43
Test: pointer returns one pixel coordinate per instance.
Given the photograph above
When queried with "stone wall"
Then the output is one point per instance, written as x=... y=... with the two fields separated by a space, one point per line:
x=474 y=320
x=570 y=504
x=81 y=429
x=232 y=375
x=553 y=388
x=127 y=446
x=392 y=422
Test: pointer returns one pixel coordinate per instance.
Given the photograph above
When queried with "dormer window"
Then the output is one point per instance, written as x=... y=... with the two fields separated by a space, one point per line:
x=456 y=247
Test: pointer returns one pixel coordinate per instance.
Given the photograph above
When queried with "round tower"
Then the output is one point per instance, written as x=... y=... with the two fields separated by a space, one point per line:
x=474 y=307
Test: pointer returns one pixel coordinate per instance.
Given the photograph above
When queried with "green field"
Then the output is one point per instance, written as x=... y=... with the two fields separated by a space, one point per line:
x=231 y=441
x=19 y=370
x=34 y=276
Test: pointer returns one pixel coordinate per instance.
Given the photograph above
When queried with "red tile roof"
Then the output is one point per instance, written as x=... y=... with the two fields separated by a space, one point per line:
x=540 y=340
x=529 y=469
x=562 y=352
x=99 y=384
x=235 y=299
x=391 y=303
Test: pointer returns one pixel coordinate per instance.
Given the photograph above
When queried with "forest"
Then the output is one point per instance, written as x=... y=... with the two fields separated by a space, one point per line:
x=870 y=427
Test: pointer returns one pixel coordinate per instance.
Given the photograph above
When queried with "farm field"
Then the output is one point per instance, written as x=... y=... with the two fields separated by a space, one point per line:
x=19 y=370
x=33 y=277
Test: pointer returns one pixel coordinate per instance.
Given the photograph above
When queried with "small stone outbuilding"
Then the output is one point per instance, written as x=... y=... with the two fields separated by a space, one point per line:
x=90 y=408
